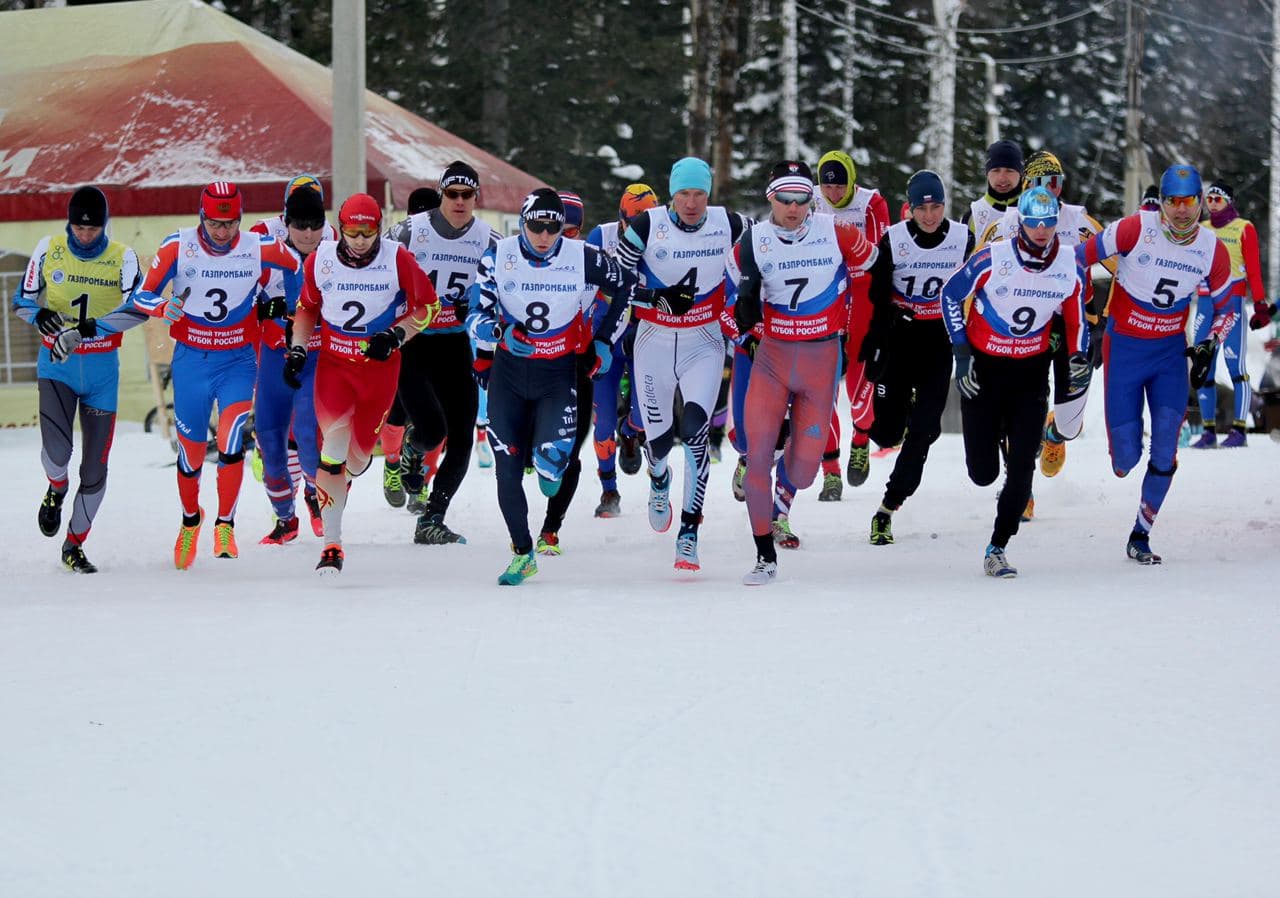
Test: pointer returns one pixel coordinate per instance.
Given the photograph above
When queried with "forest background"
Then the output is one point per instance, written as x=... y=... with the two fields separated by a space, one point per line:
x=592 y=95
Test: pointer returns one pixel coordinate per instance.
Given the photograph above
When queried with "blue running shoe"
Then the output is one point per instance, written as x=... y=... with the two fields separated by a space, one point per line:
x=687 y=549
x=521 y=568
x=660 y=502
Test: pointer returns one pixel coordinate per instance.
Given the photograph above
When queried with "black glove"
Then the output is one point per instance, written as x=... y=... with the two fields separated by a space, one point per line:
x=966 y=379
x=674 y=300
x=383 y=343
x=272 y=307
x=482 y=367
x=461 y=307
x=1096 y=333
x=1263 y=312
x=902 y=315
x=294 y=361
x=1201 y=355
x=749 y=345
x=48 y=322
x=874 y=356
x=747 y=315
x=88 y=328
x=1080 y=370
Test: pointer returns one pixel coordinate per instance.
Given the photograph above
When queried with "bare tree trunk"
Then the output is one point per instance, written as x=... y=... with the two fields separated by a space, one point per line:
x=726 y=97
x=493 y=104
x=702 y=68
x=940 y=144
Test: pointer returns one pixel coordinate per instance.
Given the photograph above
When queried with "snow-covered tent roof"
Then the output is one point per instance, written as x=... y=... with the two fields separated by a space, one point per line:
x=153 y=99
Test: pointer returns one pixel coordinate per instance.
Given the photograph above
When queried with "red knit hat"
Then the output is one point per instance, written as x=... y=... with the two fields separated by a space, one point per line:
x=360 y=209
x=221 y=201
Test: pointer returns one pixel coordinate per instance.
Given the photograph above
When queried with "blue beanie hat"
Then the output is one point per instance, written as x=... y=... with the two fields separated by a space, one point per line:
x=690 y=173
x=1004 y=154
x=925 y=187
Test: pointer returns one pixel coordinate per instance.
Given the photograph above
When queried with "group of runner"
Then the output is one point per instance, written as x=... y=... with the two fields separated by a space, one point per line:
x=437 y=330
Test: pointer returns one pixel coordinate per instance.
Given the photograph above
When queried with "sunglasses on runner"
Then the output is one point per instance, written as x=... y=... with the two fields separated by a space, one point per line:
x=464 y=194
x=794 y=197
x=360 y=230
x=1176 y=201
x=1030 y=223
x=543 y=227
x=1215 y=198
x=1048 y=182
x=221 y=224
x=306 y=224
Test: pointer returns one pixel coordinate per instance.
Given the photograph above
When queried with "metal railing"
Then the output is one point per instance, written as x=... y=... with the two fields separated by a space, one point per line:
x=21 y=342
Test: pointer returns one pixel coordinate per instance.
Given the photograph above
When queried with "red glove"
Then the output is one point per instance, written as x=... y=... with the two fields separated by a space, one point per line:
x=1262 y=312
x=480 y=368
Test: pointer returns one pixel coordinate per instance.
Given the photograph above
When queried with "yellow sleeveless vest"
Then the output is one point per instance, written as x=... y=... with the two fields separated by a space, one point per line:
x=1229 y=234
x=83 y=288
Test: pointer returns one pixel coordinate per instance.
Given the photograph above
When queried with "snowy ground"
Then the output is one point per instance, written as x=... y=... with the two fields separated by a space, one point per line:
x=880 y=722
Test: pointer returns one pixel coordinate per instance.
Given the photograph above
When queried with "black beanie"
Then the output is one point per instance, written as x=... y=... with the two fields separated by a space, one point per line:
x=1223 y=189
x=543 y=204
x=88 y=207
x=789 y=175
x=1004 y=154
x=424 y=199
x=304 y=204
x=833 y=171
x=459 y=172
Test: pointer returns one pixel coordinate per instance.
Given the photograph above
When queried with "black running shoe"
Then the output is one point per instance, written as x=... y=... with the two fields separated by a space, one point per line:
x=629 y=459
x=881 y=529
x=859 y=465
x=392 y=487
x=431 y=531
x=49 y=517
x=285 y=531
x=610 y=504
x=1139 y=549
x=330 y=560
x=73 y=559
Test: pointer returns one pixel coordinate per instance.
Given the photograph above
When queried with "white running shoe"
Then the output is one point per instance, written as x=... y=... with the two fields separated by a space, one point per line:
x=997 y=565
x=762 y=574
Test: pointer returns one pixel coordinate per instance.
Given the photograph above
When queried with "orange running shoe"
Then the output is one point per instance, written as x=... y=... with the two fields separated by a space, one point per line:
x=184 y=550
x=224 y=540
x=1053 y=451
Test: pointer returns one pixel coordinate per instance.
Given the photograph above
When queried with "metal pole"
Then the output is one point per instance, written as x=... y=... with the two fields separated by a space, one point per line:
x=348 y=100
x=940 y=146
x=1133 y=151
x=790 y=92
